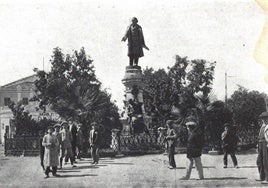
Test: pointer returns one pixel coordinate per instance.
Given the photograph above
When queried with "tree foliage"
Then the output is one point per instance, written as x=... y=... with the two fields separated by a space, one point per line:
x=246 y=106
x=185 y=86
x=72 y=90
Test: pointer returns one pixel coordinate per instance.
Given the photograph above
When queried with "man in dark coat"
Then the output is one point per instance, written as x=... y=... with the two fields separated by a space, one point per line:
x=229 y=142
x=171 y=140
x=262 y=159
x=194 y=150
x=135 y=42
x=94 y=141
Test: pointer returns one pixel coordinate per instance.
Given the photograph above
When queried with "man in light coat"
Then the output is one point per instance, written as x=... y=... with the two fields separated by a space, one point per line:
x=51 y=159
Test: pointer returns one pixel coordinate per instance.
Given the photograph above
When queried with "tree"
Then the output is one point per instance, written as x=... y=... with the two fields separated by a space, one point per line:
x=216 y=116
x=186 y=86
x=246 y=106
x=72 y=90
x=22 y=120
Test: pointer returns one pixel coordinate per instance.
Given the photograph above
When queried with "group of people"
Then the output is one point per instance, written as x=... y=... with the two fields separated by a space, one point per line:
x=64 y=141
x=229 y=143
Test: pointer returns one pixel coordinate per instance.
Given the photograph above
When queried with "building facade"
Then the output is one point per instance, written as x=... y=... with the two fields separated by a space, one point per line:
x=20 y=90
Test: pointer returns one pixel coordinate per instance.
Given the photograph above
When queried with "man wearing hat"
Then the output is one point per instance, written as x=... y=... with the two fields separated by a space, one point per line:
x=94 y=141
x=136 y=42
x=229 y=142
x=194 y=150
x=66 y=146
x=57 y=134
x=171 y=139
x=51 y=159
x=262 y=159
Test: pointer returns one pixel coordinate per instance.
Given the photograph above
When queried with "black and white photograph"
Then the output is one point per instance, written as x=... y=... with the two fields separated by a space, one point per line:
x=121 y=93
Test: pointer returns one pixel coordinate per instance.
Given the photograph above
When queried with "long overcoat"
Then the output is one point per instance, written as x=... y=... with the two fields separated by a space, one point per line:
x=51 y=144
x=135 y=38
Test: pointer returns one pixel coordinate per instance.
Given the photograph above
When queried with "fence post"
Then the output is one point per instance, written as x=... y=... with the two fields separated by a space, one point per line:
x=5 y=144
x=116 y=142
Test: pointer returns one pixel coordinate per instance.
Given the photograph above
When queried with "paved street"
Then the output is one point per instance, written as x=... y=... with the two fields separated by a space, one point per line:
x=141 y=171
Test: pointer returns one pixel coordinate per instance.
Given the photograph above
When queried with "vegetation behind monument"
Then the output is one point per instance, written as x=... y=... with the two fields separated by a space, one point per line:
x=72 y=90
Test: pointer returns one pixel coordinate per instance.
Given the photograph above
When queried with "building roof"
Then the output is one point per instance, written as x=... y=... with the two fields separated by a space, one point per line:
x=29 y=79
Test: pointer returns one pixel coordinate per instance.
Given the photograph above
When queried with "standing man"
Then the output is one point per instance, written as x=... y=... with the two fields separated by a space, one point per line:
x=229 y=142
x=262 y=160
x=73 y=130
x=94 y=141
x=79 y=140
x=51 y=159
x=66 y=148
x=135 y=42
x=57 y=134
x=194 y=150
x=171 y=140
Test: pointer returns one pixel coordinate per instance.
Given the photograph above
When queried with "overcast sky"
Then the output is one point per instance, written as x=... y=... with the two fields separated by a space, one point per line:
x=215 y=30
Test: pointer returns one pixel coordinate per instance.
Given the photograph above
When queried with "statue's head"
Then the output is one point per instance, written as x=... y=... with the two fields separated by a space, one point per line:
x=134 y=20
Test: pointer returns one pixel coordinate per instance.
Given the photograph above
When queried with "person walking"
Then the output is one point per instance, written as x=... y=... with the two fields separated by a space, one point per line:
x=194 y=150
x=262 y=159
x=79 y=140
x=42 y=149
x=94 y=141
x=73 y=130
x=51 y=159
x=229 y=142
x=66 y=147
x=171 y=140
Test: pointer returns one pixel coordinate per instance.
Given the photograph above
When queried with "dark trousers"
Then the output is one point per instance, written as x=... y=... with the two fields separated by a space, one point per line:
x=42 y=160
x=135 y=59
x=171 y=159
x=79 y=151
x=95 y=154
x=67 y=153
x=54 y=170
x=232 y=154
x=262 y=160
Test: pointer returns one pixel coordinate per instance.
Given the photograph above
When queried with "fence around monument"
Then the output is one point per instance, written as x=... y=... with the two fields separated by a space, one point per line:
x=126 y=144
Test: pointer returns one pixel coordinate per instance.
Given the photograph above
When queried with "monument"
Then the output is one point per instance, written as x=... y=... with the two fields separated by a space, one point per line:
x=133 y=80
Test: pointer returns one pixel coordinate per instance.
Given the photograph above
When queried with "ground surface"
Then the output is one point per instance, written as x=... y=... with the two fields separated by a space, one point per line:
x=139 y=171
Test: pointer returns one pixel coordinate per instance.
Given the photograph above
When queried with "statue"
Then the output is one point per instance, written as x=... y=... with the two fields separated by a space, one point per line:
x=135 y=42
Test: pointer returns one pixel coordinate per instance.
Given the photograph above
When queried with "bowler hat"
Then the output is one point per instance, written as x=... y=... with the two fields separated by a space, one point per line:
x=263 y=115
x=50 y=127
x=94 y=124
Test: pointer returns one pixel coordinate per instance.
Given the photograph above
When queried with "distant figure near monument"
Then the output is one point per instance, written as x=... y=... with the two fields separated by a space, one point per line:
x=135 y=42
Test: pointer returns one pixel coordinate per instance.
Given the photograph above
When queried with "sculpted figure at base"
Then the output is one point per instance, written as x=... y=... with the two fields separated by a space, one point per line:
x=135 y=42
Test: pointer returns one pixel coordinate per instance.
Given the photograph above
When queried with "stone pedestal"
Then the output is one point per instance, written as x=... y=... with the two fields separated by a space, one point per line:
x=133 y=101
x=132 y=79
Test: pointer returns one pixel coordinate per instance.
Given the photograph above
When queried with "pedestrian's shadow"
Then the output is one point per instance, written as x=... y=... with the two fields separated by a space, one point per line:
x=225 y=178
x=248 y=167
x=77 y=176
x=120 y=163
x=194 y=167
x=86 y=167
x=66 y=171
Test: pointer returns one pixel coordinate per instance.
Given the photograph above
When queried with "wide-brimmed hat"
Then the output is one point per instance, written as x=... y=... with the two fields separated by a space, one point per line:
x=57 y=125
x=191 y=124
x=264 y=115
x=227 y=125
x=94 y=124
x=169 y=122
x=50 y=127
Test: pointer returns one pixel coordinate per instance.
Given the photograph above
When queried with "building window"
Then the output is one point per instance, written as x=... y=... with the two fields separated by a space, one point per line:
x=25 y=101
x=7 y=101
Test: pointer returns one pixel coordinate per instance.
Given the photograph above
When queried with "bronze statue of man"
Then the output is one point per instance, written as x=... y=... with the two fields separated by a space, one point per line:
x=135 y=42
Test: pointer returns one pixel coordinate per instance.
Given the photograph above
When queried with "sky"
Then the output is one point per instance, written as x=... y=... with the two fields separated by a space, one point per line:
x=224 y=31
